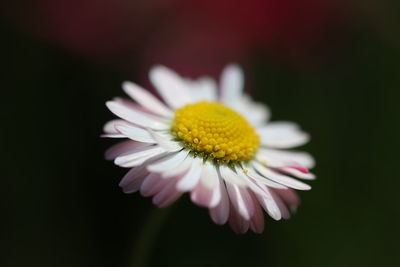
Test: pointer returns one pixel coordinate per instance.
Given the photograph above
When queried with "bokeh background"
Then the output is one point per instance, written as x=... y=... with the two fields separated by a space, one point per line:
x=332 y=66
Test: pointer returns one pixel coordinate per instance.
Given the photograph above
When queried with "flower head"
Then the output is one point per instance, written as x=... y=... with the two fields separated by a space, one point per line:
x=219 y=147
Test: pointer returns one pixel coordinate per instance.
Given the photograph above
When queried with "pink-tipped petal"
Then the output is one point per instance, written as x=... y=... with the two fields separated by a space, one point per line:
x=268 y=202
x=207 y=193
x=124 y=148
x=241 y=200
x=109 y=127
x=299 y=168
x=280 y=178
x=290 y=197
x=238 y=224
x=168 y=194
x=133 y=179
x=220 y=213
x=281 y=205
x=152 y=185
x=252 y=174
x=201 y=195
x=297 y=173
x=139 y=157
x=257 y=222
x=133 y=174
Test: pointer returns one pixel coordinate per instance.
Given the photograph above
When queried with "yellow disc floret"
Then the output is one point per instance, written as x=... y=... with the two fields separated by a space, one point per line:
x=215 y=132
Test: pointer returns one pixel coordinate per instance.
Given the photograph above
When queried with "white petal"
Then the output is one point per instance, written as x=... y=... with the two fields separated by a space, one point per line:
x=281 y=205
x=268 y=202
x=282 y=126
x=139 y=172
x=256 y=113
x=232 y=83
x=138 y=157
x=230 y=176
x=167 y=195
x=133 y=179
x=123 y=148
x=210 y=175
x=112 y=136
x=207 y=192
x=253 y=184
x=255 y=176
x=146 y=99
x=135 y=133
x=297 y=173
x=282 y=135
x=169 y=162
x=182 y=168
x=170 y=86
x=192 y=177
x=241 y=200
x=152 y=185
x=220 y=213
x=203 y=89
x=257 y=222
x=164 y=141
x=290 y=198
x=109 y=127
x=216 y=196
x=238 y=224
x=283 y=158
x=280 y=178
x=136 y=116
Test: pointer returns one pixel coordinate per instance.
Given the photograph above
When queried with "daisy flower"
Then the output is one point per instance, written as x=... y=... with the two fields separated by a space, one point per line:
x=217 y=145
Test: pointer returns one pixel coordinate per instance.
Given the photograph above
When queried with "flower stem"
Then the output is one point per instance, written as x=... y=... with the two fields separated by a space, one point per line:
x=146 y=239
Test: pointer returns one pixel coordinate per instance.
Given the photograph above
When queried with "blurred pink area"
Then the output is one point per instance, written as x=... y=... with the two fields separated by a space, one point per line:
x=193 y=37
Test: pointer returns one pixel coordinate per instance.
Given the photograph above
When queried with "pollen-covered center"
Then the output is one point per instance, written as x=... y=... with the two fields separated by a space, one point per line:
x=216 y=132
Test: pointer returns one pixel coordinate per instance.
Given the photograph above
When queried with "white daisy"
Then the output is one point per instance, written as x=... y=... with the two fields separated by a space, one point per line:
x=219 y=147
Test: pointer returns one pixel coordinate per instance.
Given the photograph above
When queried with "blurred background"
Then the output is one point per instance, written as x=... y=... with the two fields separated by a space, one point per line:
x=331 y=66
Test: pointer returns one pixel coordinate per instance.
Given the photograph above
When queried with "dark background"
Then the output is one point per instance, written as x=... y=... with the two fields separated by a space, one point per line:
x=61 y=201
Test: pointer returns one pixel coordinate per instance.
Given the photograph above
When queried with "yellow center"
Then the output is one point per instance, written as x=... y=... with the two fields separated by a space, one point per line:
x=216 y=132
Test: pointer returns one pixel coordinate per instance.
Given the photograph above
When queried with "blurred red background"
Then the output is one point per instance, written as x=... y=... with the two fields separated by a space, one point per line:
x=193 y=37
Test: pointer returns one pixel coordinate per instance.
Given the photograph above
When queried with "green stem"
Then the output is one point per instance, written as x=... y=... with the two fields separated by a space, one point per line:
x=145 y=241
